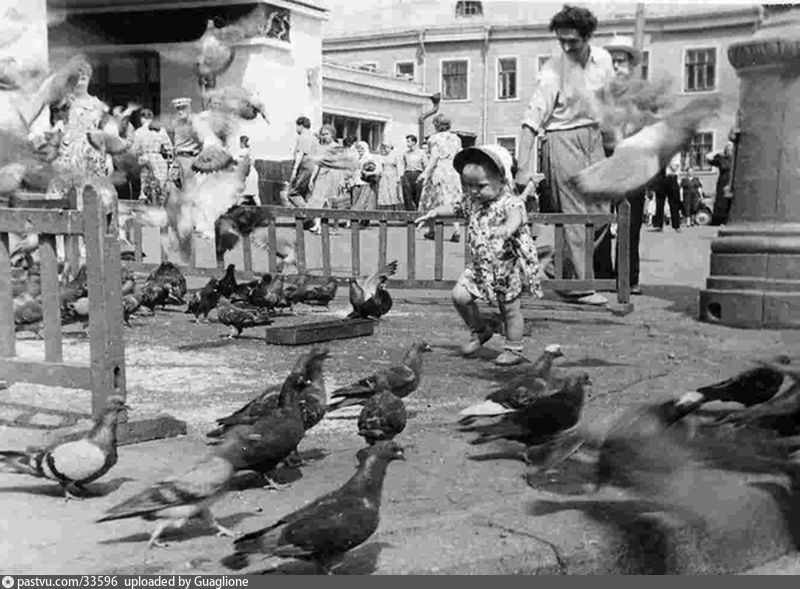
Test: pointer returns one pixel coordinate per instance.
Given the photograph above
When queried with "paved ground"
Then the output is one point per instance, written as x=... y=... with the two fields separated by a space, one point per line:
x=444 y=511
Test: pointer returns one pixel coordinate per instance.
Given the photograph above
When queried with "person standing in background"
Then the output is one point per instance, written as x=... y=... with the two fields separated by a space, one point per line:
x=723 y=196
x=692 y=194
x=441 y=184
x=151 y=144
x=412 y=163
x=389 y=193
x=304 y=164
x=185 y=141
x=668 y=191
x=563 y=113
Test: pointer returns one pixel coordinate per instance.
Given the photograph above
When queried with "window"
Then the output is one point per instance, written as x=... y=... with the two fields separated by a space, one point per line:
x=507 y=78
x=700 y=146
x=404 y=69
x=540 y=61
x=510 y=143
x=645 y=65
x=454 y=79
x=700 y=70
x=469 y=8
x=120 y=78
x=363 y=129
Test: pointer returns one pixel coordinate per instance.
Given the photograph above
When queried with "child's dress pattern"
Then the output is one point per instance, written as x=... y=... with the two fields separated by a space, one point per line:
x=499 y=267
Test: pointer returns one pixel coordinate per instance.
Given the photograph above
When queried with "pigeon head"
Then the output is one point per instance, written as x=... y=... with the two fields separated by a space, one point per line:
x=554 y=350
x=782 y=359
x=384 y=450
x=423 y=346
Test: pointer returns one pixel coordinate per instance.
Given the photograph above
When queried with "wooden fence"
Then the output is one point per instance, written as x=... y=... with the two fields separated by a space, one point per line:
x=296 y=218
x=104 y=375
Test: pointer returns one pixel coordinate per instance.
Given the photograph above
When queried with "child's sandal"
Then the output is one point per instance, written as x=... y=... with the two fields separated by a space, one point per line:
x=476 y=342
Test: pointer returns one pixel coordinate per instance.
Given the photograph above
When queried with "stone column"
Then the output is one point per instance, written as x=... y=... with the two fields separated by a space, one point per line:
x=755 y=260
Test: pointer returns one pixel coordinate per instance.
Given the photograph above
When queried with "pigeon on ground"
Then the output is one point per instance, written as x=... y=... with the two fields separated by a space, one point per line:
x=183 y=497
x=130 y=304
x=239 y=317
x=637 y=159
x=170 y=276
x=267 y=442
x=369 y=297
x=543 y=419
x=311 y=399
x=383 y=415
x=77 y=463
x=751 y=387
x=516 y=392
x=403 y=379
x=204 y=300
x=227 y=284
x=326 y=529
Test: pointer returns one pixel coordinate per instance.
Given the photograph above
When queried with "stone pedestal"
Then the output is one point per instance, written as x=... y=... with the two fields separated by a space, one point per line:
x=755 y=260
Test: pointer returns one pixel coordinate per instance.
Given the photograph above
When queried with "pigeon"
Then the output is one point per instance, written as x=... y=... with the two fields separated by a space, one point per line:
x=170 y=276
x=204 y=300
x=272 y=438
x=227 y=284
x=369 y=297
x=783 y=407
x=516 y=392
x=74 y=464
x=240 y=317
x=383 y=415
x=130 y=304
x=751 y=387
x=185 y=496
x=543 y=419
x=403 y=379
x=637 y=159
x=327 y=528
x=312 y=397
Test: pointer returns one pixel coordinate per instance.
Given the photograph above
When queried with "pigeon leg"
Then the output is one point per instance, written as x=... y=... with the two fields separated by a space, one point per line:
x=154 y=542
x=211 y=521
x=272 y=485
x=74 y=493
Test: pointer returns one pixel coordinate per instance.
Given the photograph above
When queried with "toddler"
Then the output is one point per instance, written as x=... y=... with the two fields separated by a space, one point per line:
x=503 y=254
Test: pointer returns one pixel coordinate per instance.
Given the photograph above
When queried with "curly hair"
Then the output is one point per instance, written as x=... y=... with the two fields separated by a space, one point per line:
x=441 y=122
x=575 y=17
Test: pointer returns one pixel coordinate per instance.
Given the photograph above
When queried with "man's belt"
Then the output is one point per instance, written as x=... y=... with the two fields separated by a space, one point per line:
x=588 y=126
x=186 y=153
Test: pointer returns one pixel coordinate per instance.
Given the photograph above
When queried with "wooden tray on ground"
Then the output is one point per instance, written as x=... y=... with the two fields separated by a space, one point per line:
x=319 y=331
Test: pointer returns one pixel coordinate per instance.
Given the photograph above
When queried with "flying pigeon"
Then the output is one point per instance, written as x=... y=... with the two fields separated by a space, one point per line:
x=403 y=379
x=383 y=415
x=637 y=159
x=751 y=387
x=74 y=464
x=326 y=529
x=516 y=392
x=368 y=296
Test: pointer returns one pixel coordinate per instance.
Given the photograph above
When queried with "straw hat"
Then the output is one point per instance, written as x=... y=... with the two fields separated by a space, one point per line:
x=625 y=43
x=499 y=156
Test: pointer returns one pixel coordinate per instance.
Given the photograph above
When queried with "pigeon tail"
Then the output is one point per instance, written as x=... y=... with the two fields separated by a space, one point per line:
x=486 y=409
x=690 y=401
x=23 y=462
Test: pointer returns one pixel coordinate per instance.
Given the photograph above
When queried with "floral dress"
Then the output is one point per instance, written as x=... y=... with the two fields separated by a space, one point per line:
x=78 y=161
x=443 y=186
x=499 y=267
x=389 y=186
x=151 y=146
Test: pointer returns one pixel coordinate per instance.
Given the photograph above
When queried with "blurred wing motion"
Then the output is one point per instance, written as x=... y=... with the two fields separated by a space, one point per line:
x=637 y=159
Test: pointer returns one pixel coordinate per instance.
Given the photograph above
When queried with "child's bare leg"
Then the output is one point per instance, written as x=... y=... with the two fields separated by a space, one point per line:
x=466 y=306
x=515 y=325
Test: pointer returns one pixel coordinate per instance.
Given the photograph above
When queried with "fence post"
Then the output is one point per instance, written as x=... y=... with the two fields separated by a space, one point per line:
x=623 y=252
x=7 y=332
x=107 y=352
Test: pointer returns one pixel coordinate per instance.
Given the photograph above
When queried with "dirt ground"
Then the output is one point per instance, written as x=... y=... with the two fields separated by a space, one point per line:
x=191 y=372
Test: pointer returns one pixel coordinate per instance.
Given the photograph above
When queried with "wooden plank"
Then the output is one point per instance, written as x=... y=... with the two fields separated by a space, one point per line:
x=588 y=251
x=60 y=222
x=300 y=245
x=72 y=251
x=7 y=333
x=411 y=250
x=355 y=249
x=247 y=253
x=137 y=242
x=623 y=253
x=558 y=251
x=107 y=354
x=193 y=251
x=35 y=200
x=51 y=301
x=54 y=374
x=326 y=247
x=438 y=250
x=163 y=234
x=383 y=243
x=272 y=246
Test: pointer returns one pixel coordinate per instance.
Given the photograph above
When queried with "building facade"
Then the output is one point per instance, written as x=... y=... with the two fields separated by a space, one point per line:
x=484 y=57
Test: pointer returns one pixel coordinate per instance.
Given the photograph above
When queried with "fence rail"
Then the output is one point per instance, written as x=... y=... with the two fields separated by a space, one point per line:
x=289 y=217
x=105 y=373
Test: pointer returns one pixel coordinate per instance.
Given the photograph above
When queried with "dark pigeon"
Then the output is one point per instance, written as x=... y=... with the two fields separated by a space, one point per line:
x=204 y=300
x=383 y=416
x=239 y=317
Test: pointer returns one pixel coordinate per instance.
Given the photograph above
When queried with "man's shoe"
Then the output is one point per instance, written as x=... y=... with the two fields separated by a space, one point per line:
x=636 y=290
x=595 y=299
x=509 y=358
x=476 y=343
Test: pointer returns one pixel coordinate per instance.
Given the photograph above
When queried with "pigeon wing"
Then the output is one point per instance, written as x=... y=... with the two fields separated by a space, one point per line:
x=78 y=460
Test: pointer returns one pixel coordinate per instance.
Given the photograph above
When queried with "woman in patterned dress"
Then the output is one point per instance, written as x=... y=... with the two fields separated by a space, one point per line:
x=334 y=163
x=153 y=147
x=389 y=193
x=79 y=161
x=504 y=262
x=441 y=184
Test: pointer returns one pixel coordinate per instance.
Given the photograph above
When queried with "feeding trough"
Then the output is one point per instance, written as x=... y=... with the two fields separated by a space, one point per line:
x=319 y=331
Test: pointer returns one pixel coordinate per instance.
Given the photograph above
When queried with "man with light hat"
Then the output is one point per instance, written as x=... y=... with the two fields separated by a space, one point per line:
x=624 y=56
x=185 y=141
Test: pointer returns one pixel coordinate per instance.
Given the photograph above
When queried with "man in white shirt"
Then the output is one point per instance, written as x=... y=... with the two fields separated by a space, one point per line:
x=563 y=113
